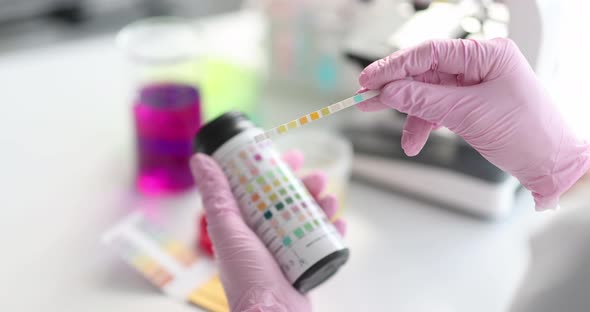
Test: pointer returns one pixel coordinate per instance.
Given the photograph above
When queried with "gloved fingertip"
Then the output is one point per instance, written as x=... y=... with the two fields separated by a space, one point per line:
x=315 y=183
x=198 y=164
x=329 y=205
x=543 y=204
x=409 y=145
x=361 y=90
x=341 y=226
x=364 y=78
x=415 y=134
x=294 y=159
x=362 y=107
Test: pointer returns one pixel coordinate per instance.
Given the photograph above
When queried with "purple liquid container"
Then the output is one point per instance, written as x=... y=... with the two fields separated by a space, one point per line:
x=167 y=116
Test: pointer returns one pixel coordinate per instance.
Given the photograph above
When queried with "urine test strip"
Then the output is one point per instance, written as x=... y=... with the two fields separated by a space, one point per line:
x=167 y=263
x=313 y=116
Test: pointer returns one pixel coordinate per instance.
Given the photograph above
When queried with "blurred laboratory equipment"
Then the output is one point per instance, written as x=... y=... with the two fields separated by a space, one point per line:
x=304 y=44
x=167 y=106
x=160 y=49
x=324 y=151
x=37 y=23
x=181 y=50
x=398 y=24
x=448 y=171
x=231 y=69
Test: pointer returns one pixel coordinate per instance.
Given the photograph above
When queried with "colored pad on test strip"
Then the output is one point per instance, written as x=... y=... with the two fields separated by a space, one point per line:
x=323 y=112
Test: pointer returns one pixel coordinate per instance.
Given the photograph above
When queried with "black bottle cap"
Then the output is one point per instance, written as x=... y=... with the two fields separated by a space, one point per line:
x=219 y=130
x=322 y=270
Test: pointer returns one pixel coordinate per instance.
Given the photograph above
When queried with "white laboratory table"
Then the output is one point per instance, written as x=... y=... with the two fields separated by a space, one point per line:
x=67 y=170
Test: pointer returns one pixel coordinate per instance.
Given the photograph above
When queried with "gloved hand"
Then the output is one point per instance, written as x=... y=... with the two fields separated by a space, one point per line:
x=486 y=92
x=252 y=279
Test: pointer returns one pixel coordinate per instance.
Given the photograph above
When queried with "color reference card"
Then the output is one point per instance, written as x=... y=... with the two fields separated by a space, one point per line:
x=210 y=296
x=278 y=207
x=167 y=263
x=313 y=116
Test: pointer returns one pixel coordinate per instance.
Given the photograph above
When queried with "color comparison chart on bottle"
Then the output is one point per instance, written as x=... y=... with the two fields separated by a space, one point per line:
x=275 y=203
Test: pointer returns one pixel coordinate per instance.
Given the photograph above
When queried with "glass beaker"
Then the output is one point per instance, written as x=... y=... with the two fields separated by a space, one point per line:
x=166 y=110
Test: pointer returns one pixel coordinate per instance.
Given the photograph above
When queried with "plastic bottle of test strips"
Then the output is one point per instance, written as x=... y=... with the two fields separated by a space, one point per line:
x=274 y=202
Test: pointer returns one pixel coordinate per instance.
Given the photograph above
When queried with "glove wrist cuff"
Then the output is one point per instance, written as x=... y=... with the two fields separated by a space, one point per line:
x=563 y=180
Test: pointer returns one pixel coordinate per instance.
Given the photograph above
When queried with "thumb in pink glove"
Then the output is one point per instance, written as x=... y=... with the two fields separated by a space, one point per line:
x=485 y=92
x=250 y=275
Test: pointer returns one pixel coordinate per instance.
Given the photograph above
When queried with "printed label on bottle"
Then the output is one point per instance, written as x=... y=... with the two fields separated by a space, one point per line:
x=277 y=206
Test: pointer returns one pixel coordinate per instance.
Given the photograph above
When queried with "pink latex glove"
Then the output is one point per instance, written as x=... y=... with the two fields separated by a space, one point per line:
x=251 y=278
x=486 y=92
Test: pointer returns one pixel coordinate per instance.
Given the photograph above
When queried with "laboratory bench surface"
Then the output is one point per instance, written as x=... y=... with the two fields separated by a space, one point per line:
x=67 y=171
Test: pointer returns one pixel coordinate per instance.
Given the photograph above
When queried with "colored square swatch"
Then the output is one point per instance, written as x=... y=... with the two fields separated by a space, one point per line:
x=287 y=241
x=289 y=200
x=260 y=180
x=249 y=188
x=273 y=197
x=279 y=206
x=298 y=232
x=276 y=183
x=282 y=129
x=292 y=124
x=274 y=223
x=284 y=192
x=255 y=197
x=267 y=188
x=243 y=179
x=268 y=215
x=314 y=116
x=286 y=215
x=358 y=98
x=308 y=227
x=261 y=206
x=325 y=111
x=297 y=196
x=303 y=120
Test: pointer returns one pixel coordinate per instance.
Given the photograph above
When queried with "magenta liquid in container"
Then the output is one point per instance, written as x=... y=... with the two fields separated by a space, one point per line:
x=167 y=116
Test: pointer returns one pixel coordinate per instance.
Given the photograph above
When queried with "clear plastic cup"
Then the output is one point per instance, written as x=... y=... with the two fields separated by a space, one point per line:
x=324 y=151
